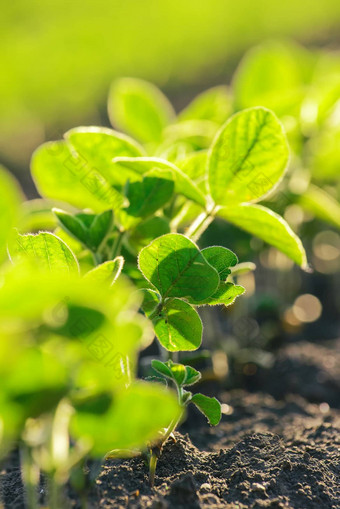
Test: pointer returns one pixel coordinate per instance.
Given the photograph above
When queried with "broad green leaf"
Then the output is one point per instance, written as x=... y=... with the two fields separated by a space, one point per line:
x=100 y=228
x=72 y=225
x=268 y=226
x=46 y=251
x=178 y=373
x=178 y=327
x=321 y=204
x=63 y=175
x=225 y=295
x=99 y=145
x=248 y=157
x=9 y=208
x=221 y=259
x=183 y=185
x=176 y=267
x=150 y=194
x=136 y=417
x=106 y=272
x=192 y=376
x=140 y=109
x=271 y=75
x=210 y=407
x=213 y=104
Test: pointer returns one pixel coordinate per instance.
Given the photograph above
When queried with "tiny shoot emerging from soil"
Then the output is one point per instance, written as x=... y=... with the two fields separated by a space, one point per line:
x=181 y=376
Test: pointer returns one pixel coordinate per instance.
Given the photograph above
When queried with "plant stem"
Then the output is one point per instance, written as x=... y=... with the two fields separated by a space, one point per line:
x=152 y=468
x=117 y=245
x=30 y=476
x=54 y=493
x=201 y=223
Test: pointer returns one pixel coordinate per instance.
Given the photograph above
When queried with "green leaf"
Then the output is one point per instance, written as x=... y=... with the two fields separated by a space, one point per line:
x=162 y=368
x=195 y=165
x=210 y=407
x=325 y=157
x=321 y=204
x=271 y=75
x=47 y=251
x=150 y=301
x=243 y=268
x=179 y=327
x=176 y=267
x=268 y=226
x=136 y=417
x=183 y=185
x=248 y=157
x=225 y=295
x=99 y=228
x=213 y=104
x=197 y=133
x=106 y=272
x=148 y=230
x=9 y=207
x=152 y=193
x=99 y=145
x=64 y=175
x=192 y=376
x=72 y=225
x=221 y=259
x=139 y=108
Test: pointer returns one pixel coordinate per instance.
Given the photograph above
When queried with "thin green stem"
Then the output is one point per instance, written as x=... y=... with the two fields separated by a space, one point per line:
x=201 y=223
x=30 y=476
x=152 y=468
x=117 y=245
x=54 y=493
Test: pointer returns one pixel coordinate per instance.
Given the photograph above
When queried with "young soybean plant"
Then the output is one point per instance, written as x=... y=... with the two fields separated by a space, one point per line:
x=182 y=277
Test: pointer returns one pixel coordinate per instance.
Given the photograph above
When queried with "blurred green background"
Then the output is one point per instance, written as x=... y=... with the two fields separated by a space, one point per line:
x=59 y=57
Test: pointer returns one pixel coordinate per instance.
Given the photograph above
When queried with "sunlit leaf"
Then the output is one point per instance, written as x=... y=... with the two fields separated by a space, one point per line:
x=106 y=272
x=9 y=208
x=183 y=185
x=46 y=251
x=176 y=267
x=136 y=416
x=63 y=175
x=139 y=108
x=268 y=226
x=210 y=407
x=178 y=327
x=221 y=259
x=213 y=104
x=321 y=204
x=248 y=157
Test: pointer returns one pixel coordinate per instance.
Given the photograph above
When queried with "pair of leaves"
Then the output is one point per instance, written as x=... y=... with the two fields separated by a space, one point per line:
x=184 y=376
x=89 y=229
x=184 y=275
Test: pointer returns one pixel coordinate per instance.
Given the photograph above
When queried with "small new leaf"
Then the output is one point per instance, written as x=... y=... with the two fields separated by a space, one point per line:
x=210 y=407
x=221 y=259
x=107 y=272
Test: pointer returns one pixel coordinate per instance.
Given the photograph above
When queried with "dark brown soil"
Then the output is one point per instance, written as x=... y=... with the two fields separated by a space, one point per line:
x=264 y=454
